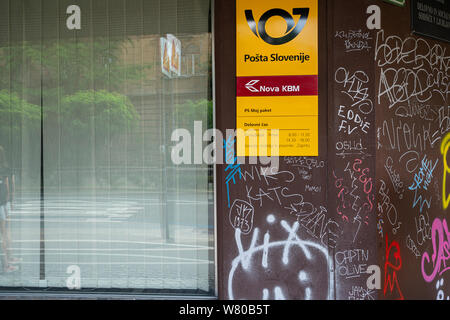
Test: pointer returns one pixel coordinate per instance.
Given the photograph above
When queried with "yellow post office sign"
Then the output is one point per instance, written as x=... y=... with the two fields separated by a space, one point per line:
x=277 y=76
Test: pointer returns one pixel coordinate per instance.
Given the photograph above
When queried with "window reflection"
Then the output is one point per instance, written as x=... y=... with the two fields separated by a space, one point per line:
x=86 y=118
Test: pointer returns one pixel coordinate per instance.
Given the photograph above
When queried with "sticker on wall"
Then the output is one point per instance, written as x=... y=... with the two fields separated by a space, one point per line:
x=277 y=74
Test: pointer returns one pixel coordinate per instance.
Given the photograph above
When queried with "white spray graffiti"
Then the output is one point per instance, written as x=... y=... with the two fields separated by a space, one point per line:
x=244 y=257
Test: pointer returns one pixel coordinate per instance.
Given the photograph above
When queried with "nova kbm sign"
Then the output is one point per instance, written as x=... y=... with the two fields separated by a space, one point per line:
x=249 y=86
x=277 y=73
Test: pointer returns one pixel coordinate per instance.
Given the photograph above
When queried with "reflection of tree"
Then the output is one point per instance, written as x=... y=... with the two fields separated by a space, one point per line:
x=199 y=110
x=91 y=119
x=108 y=110
x=16 y=114
x=78 y=82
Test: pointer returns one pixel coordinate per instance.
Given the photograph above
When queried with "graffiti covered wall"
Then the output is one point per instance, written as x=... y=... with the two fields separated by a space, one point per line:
x=377 y=195
x=351 y=146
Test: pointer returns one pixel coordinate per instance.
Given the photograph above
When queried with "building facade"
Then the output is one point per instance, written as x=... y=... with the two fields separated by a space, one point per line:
x=120 y=187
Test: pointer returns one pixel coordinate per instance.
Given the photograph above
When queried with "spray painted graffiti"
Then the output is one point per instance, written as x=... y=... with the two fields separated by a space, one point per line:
x=386 y=206
x=423 y=228
x=351 y=147
x=413 y=116
x=259 y=260
x=423 y=73
x=351 y=263
x=361 y=293
x=412 y=94
x=320 y=227
x=355 y=200
x=355 y=86
x=411 y=245
x=422 y=180
x=445 y=146
x=394 y=177
x=354 y=40
x=233 y=168
x=440 y=290
x=241 y=216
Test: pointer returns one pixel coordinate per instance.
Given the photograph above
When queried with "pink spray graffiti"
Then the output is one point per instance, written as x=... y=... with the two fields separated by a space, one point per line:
x=440 y=238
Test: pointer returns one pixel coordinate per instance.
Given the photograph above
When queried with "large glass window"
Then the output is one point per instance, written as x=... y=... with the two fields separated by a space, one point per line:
x=88 y=104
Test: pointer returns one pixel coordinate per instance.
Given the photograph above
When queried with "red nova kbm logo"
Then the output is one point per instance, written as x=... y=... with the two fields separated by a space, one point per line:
x=292 y=31
x=277 y=86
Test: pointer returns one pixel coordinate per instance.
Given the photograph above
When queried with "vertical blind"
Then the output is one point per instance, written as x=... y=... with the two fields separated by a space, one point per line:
x=86 y=118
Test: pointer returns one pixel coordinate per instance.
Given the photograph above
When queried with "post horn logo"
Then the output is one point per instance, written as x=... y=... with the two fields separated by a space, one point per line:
x=292 y=30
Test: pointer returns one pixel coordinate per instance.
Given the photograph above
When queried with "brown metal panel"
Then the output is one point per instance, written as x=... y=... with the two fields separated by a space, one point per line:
x=225 y=64
x=291 y=232
x=352 y=147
